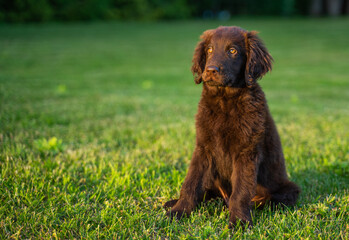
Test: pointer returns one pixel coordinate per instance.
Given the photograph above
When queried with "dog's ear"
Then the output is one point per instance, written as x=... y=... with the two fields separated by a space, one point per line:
x=259 y=61
x=199 y=58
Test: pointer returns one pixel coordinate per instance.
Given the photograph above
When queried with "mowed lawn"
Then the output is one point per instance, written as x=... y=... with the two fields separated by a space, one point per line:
x=97 y=129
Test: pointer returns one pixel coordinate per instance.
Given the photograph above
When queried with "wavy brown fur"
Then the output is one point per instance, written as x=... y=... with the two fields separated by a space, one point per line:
x=238 y=154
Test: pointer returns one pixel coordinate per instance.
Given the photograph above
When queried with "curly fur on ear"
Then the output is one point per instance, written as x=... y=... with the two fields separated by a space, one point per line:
x=259 y=61
x=199 y=58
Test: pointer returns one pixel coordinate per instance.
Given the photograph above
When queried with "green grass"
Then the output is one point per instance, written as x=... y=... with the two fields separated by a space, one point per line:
x=97 y=129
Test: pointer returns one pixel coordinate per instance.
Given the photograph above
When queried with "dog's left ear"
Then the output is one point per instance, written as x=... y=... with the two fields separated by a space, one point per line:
x=259 y=61
x=199 y=57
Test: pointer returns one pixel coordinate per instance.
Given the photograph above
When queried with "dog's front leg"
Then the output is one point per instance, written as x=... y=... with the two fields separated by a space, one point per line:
x=192 y=191
x=244 y=182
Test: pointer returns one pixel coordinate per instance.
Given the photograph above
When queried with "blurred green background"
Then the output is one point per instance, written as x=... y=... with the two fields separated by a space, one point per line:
x=70 y=10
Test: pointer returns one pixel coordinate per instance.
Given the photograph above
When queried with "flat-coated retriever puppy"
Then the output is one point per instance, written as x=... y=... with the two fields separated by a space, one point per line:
x=238 y=154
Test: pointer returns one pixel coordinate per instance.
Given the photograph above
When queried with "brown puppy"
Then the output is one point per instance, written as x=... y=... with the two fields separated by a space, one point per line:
x=238 y=154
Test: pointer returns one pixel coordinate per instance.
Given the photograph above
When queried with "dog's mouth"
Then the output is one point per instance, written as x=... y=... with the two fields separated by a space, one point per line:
x=217 y=81
x=213 y=83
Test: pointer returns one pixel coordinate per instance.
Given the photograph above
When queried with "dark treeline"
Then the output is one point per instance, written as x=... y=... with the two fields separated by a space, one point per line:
x=71 y=10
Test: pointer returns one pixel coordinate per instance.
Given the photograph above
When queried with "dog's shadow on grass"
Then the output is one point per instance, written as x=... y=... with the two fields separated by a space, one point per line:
x=318 y=184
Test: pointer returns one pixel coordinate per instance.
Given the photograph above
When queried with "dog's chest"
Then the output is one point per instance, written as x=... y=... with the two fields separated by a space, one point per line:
x=226 y=128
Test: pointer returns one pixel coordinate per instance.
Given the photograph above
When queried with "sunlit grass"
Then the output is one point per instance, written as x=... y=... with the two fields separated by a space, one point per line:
x=97 y=129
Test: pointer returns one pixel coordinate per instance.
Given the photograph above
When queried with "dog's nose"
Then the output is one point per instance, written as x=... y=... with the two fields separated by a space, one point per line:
x=212 y=69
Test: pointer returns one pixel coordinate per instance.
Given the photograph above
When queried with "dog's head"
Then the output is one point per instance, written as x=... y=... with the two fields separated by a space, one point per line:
x=230 y=57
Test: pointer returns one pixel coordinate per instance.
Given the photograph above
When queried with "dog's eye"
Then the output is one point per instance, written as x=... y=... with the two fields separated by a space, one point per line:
x=210 y=50
x=233 y=51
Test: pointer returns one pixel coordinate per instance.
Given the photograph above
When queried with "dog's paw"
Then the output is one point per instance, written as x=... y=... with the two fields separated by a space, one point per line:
x=178 y=208
x=176 y=214
x=170 y=203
